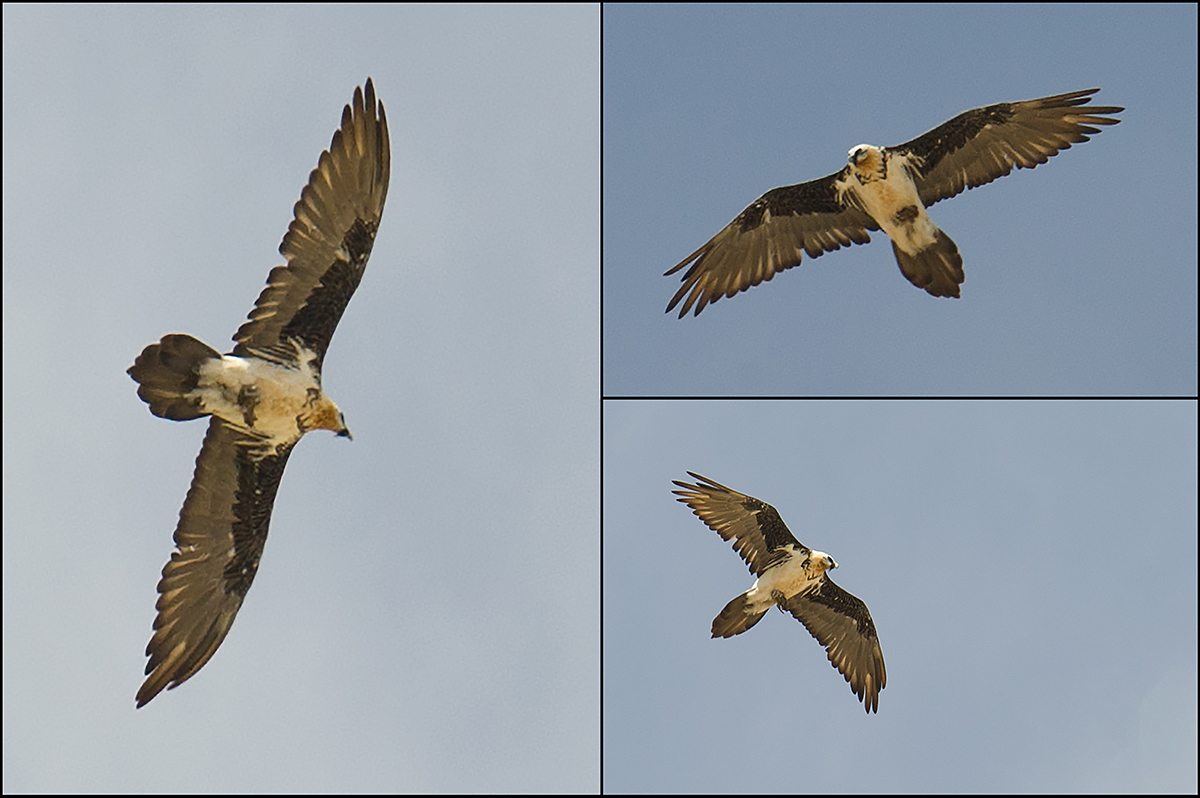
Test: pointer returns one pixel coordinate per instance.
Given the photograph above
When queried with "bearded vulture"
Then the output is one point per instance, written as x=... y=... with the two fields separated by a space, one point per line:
x=792 y=577
x=888 y=188
x=262 y=397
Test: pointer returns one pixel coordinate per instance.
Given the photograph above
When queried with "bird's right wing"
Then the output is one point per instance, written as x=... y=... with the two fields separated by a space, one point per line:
x=757 y=531
x=769 y=236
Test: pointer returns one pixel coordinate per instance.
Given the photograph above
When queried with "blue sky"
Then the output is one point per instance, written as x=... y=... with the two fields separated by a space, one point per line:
x=1080 y=275
x=1030 y=567
x=426 y=614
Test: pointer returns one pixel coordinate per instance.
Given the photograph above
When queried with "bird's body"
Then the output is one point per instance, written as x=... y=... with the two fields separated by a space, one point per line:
x=272 y=401
x=795 y=572
x=882 y=184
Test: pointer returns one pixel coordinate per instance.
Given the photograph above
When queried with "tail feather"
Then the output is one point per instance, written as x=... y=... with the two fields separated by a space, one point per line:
x=737 y=617
x=937 y=268
x=166 y=372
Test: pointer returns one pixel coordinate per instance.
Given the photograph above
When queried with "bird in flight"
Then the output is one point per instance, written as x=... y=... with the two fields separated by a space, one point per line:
x=792 y=577
x=261 y=397
x=888 y=188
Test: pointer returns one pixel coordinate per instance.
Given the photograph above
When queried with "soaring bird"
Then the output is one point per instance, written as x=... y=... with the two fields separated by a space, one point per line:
x=792 y=577
x=888 y=188
x=262 y=397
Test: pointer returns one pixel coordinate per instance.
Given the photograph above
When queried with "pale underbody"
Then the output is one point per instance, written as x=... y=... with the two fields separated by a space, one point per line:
x=883 y=193
x=798 y=574
x=272 y=402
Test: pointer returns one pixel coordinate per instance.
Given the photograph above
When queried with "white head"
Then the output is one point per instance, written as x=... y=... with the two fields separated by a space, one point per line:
x=821 y=561
x=860 y=152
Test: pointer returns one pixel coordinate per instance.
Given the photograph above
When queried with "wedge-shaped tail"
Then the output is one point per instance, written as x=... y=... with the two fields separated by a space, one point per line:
x=168 y=372
x=737 y=617
x=937 y=268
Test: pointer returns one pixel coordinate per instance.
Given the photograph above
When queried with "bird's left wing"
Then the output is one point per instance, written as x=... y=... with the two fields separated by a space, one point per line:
x=329 y=240
x=220 y=538
x=983 y=144
x=769 y=236
x=842 y=624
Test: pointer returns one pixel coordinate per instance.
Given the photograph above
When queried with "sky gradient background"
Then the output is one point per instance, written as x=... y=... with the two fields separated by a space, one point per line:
x=1030 y=567
x=426 y=615
x=1080 y=275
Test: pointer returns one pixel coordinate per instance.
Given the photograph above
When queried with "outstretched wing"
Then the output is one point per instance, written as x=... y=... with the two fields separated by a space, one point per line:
x=757 y=531
x=980 y=145
x=842 y=624
x=219 y=540
x=769 y=236
x=329 y=240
